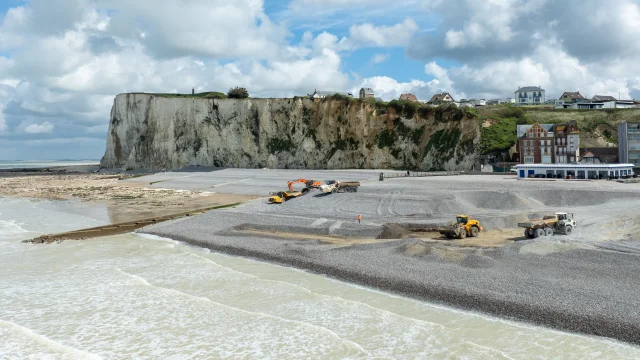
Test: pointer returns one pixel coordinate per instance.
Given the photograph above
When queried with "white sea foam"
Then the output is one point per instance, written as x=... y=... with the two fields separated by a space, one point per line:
x=39 y=344
x=253 y=313
x=10 y=227
x=177 y=301
x=155 y=237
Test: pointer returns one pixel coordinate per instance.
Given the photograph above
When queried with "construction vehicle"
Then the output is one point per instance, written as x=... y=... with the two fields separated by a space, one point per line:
x=332 y=186
x=309 y=184
x=281 y=196
x=462 y=228
x=556 y=224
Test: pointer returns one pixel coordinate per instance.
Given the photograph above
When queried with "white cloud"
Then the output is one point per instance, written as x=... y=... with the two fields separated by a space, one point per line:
x=382 y=36
x=3 y=121
x=64 y=70
x=363 y=36
x=380 y=58
x=44 y=128
x=60 y=141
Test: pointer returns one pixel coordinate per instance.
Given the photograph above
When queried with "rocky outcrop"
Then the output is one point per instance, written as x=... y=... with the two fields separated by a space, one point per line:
x=161 y=132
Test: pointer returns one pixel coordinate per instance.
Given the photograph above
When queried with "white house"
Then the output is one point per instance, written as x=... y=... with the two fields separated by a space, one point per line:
x=529 y=95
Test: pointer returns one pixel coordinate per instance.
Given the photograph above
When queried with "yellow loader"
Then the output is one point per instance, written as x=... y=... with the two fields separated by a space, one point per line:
x=462 y=228
x=281 y=196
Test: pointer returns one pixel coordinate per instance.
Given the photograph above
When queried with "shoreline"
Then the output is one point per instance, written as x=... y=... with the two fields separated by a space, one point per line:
x=124 y=200
x=556 y=319
x=585 y=283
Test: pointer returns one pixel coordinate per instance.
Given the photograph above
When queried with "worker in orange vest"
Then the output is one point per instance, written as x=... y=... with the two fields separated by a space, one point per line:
x=359 y=218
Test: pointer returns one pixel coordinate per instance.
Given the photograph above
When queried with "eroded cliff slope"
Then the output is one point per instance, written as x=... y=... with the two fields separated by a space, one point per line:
x=157 y=132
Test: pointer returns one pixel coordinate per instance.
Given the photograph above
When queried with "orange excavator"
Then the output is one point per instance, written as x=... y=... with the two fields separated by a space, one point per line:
x=310 y=184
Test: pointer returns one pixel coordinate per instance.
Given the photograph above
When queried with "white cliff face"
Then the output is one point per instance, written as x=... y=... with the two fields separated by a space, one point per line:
x=164 y=133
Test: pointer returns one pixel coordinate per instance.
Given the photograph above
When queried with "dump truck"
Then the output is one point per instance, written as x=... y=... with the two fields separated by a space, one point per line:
x=332 y=186
x=560 y=223
x=461 y=228
x=281 y=196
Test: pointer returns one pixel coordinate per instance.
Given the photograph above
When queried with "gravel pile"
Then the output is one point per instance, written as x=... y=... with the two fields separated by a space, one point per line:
x=565 y=282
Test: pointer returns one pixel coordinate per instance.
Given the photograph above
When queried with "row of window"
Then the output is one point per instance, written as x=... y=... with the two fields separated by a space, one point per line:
x=524 y=94
x=559 y=141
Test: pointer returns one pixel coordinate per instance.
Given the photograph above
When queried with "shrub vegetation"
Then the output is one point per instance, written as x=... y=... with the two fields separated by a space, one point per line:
x=238 y=93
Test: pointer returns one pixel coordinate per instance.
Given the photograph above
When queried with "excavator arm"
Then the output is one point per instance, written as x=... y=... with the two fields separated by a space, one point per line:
x=308 y=183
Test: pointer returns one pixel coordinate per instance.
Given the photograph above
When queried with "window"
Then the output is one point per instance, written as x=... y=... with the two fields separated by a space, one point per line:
x=571 y=140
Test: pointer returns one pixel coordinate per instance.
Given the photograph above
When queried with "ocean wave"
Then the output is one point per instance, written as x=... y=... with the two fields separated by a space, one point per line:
x=10 y=330
x=155 y=237
x=323 y=329
x=10 y=227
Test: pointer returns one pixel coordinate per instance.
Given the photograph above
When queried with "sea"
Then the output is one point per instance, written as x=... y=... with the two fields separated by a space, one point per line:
x=43 y=164
x=136 y=296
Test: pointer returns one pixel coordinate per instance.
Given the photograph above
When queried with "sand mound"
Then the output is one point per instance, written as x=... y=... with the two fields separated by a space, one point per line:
x=393 y=231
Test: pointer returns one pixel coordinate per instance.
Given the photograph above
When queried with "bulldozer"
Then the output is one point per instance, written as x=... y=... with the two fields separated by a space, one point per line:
x=462 y=228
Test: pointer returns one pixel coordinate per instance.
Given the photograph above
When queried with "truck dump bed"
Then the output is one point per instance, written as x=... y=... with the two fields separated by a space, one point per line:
x=535 y=223
x=348 y=183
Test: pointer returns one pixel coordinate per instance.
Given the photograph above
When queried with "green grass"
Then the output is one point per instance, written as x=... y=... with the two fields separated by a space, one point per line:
x=498 y=137
x=203 y=95
x=597 y=127
x=443 y=141
x=385 y=138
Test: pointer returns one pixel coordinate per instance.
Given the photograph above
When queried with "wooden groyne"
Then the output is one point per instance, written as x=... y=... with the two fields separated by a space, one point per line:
x=119 y=228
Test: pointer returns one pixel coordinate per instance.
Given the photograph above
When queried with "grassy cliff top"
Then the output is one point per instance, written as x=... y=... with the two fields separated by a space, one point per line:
x=598 y=128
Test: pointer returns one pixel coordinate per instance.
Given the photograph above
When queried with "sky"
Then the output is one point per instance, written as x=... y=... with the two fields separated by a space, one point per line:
x=62 y=62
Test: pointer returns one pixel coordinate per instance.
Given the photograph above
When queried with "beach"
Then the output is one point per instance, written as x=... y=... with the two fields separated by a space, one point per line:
x=124 y=200
x=582 y=282
x=366 y=291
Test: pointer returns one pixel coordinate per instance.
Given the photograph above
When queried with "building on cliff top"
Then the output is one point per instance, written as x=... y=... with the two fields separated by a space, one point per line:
x=569 y=97
x=320 y=94
x=603 y=98
x=441 y=98
x=366 y=93
x=409 y=97
x=529 y=95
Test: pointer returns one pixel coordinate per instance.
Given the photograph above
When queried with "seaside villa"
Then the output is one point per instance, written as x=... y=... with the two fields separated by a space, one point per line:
x=576 y=171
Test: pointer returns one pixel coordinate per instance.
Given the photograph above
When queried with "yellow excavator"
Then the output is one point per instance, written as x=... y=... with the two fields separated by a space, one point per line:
x=281 y=196
x=462 y=228
x=309 y=184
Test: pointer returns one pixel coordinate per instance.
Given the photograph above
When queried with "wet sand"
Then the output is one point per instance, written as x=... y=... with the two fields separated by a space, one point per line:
x=125 y=200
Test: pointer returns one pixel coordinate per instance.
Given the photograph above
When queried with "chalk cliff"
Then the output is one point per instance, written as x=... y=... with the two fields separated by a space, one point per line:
x=163 y=132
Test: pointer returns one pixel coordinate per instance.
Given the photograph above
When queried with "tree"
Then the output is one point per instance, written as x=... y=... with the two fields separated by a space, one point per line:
x=238 y=93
